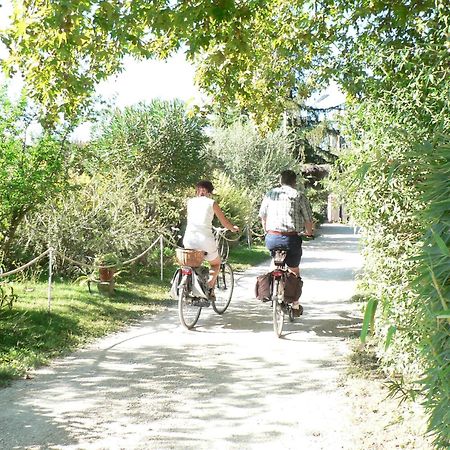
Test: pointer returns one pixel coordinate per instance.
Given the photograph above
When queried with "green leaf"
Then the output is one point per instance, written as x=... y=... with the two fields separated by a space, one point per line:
x=443 y=316
x=369 y=315
x=361 y=173
x=393 y=168
x=441 y=244
x=391 y=331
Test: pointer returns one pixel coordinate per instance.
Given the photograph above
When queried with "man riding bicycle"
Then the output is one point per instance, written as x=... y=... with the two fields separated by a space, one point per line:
x=285 y=213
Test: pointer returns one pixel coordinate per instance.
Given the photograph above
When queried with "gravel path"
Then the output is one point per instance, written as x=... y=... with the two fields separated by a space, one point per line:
x=229 y=384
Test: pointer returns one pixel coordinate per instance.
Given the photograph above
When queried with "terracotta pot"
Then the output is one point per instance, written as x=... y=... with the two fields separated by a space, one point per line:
x=106 y=273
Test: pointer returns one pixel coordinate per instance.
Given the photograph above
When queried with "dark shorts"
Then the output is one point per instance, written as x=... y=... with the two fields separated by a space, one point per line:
x=293 y=245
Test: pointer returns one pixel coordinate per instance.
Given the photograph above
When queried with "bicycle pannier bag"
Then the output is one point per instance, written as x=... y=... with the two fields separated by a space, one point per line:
x=174 y=284
x=292 y=287
x=263 y=287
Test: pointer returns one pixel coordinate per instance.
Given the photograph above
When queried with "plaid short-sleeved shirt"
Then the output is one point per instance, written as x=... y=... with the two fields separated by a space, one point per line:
x=285 y=209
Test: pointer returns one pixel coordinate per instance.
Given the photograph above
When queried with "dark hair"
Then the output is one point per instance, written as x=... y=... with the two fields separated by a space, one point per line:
x=205 y=184
x=288 y=177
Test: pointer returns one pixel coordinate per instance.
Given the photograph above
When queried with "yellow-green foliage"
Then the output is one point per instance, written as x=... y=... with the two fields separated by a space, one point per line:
x=395 y=176
x=235 y=202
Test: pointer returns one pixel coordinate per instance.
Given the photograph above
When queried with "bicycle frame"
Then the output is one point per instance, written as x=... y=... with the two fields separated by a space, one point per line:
x=279 y=306
x=190 y=301
x=187 y=274
x=222 y=243
x=189 y=304
x=186 y=277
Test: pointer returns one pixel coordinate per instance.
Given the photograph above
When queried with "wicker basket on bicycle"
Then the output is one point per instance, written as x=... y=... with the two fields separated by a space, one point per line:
x=189 y=257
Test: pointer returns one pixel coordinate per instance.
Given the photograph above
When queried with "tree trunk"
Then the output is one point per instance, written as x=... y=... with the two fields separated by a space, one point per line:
x=16 y=219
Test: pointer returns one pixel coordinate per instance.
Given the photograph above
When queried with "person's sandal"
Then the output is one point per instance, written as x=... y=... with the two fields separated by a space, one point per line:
x=211 y=295
x=297 y=312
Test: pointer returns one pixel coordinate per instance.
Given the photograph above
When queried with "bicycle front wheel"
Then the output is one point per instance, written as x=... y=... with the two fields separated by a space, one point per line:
x=223 y=247
x=224 y=289
x=188 y=312
x=278 y=313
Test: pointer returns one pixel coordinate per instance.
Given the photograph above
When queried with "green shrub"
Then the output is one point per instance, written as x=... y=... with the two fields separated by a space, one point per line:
x=384 y=200
x=158 y=138
x=433 y=282
x=236 y=203
x=99 y=217
x=159 y=141
x=395 y=178
x=251 y=160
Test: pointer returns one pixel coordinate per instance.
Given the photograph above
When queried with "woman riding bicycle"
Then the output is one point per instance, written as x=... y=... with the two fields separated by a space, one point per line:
x=285 y=212
x=198 y=235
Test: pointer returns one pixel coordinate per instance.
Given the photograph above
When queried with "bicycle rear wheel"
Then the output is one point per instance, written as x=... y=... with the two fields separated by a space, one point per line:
x=278 y=313
x=187 y=311
x=224 y=289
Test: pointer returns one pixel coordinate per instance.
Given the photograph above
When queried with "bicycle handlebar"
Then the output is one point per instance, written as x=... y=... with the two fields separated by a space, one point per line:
x=220 y=229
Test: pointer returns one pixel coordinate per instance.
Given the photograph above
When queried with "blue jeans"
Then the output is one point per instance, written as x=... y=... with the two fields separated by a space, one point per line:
x=293 y=244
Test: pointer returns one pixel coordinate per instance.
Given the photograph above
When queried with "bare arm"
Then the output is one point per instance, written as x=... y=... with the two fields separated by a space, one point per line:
x=263 y=214
x=309 y=228
x=223 y=220
x=307 y=214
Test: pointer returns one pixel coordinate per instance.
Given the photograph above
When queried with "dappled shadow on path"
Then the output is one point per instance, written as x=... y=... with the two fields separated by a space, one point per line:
x=156 y=385
x=228 y=381
x=322 y=317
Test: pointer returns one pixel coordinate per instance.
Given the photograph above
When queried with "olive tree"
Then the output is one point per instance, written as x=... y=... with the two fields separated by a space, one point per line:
x=161 y=142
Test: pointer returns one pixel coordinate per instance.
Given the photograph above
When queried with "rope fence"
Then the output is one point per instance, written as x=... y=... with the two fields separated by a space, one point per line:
x=136 y=258
x=51 y=253
x=250 y=234
x=25 y=266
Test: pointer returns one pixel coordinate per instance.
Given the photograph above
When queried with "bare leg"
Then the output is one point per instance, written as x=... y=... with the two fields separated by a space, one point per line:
x=215 y=267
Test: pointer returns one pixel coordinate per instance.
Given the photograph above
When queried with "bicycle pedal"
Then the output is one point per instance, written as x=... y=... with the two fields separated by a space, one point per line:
x=201 y=303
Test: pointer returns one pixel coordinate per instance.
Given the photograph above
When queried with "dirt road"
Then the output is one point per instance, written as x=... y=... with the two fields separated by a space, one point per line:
x=229 y=384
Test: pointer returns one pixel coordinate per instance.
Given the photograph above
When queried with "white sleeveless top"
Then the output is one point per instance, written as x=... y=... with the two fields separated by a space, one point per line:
x=200 y=214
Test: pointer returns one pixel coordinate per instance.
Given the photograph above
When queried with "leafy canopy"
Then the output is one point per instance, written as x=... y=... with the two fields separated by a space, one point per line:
x=254 y=54
x=30 y=172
